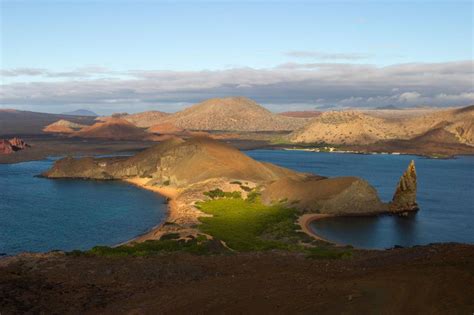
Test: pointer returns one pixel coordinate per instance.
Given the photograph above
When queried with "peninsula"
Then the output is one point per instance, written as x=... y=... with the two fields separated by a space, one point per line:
x=200 y=169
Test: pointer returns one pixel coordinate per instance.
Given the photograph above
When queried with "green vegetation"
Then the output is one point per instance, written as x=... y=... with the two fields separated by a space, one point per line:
x=253 y=196
x=166 y=182
x=199 y=246
x=242 y=224
x=169 y=236
x=325 y=252
x=245 y=188
x=218 y=193
x=302 y=145
x=247 y=225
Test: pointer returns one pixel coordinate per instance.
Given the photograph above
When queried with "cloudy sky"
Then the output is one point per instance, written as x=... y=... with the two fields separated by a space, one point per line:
x=114 y=56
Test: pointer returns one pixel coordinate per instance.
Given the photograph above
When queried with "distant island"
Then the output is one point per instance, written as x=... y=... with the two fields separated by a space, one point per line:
x=432 y=132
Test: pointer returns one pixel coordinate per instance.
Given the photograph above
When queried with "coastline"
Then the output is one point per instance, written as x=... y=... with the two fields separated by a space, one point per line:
x=181 y=218
x=172 y=209
x=305 y=220
x=173 y=213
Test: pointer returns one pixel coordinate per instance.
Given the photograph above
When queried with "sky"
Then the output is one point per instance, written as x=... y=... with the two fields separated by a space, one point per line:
x=129 y=56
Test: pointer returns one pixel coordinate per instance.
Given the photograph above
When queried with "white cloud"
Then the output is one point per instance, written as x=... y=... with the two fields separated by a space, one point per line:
x=315 y=84
x=409 y=97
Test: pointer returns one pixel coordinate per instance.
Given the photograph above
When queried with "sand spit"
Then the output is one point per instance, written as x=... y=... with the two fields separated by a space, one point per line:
x=305 y=221
x=178 y=211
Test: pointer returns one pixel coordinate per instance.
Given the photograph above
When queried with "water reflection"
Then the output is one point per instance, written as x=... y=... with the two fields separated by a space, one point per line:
x=445 y=196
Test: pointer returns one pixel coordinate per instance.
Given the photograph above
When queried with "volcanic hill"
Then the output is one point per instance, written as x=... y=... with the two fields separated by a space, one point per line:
x=146 y=119
x=115 y=129
x=353 y=127
x=343 y=127
x=164 y=128
x=232 y=114
x=63 y=126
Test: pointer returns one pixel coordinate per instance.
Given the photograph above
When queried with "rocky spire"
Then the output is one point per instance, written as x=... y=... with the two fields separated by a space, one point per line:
x=404 y=199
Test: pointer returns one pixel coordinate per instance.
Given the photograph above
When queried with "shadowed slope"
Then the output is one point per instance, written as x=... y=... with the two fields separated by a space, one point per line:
x=113 y=128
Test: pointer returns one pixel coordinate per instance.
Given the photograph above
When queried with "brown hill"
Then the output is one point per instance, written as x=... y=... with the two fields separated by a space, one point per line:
x=457 y=121
x=350 y=127
x=145 y=119
x=63 y=126
x=231 y=114
x=301 y=114
x=178 y=161
x=114 y=129
x=164 y=128
x=17 y=122
x=343 y=127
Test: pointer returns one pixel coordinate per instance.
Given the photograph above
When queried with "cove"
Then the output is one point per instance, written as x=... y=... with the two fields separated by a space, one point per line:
x=39 y=215
x=445 y=196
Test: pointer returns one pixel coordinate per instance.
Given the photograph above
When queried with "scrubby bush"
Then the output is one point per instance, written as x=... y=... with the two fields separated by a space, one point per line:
x=218 y=193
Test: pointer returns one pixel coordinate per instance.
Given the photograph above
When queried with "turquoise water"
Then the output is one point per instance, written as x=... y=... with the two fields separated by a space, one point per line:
x=445 y=196
x=38 y=214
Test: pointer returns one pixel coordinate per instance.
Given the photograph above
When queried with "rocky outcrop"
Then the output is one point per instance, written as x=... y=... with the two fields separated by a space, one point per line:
x=5 y=147
x=334 y=196
x=18 y=144
x=404 y=199
x=342 y=195
x=12 y=145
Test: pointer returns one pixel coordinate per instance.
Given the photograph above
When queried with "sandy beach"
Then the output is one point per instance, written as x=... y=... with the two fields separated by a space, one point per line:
x=305 y=220
x=181 y=216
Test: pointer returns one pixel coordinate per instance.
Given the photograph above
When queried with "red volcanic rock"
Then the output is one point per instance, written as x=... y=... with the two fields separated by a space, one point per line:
x=12 y=145
x=18 y=143
x=5 y=147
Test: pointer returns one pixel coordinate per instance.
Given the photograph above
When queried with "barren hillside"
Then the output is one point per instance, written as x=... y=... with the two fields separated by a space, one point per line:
x=344 y=127
x=232 y=114
x=301 y=114
x=63 y=126
x=146 y=119
x=114 y=129
x=351 y=127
